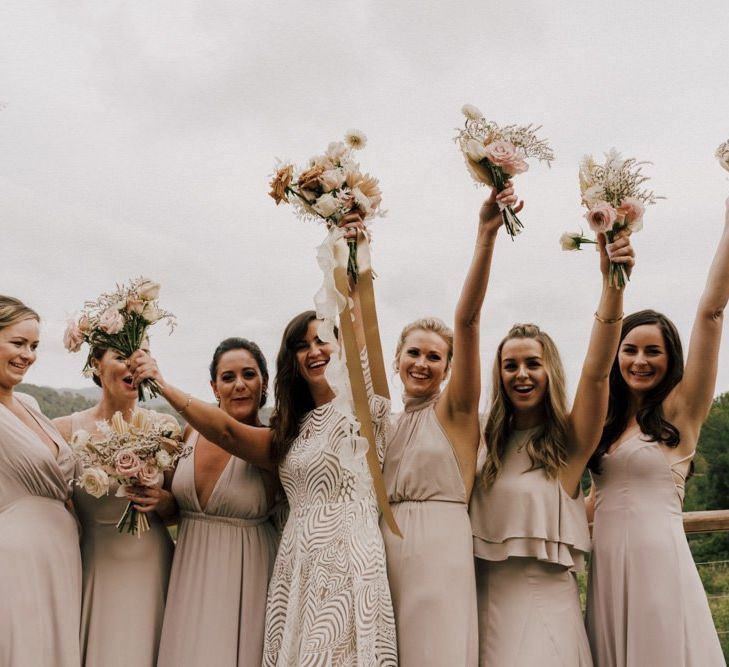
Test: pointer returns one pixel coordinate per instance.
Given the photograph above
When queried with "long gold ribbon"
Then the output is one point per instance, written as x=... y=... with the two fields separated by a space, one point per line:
x=354 y=366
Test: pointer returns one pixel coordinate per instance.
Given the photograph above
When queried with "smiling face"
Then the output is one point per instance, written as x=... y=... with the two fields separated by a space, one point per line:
x=524 y=375
x=312 y=357
x=643 y=358
x=423 y=363
x=239 y=385
x=18 y=344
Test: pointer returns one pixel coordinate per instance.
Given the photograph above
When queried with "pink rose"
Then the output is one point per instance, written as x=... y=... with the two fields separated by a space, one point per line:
x=111 y=321
x=601 y=217
x=632 y=209
x=127 y=463
x=84 y=325
x=514 y=167
x=148 y=475
x=73 y=337
x=500 y=152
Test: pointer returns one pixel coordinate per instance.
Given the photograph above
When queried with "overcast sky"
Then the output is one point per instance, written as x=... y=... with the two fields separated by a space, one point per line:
x=137 y=138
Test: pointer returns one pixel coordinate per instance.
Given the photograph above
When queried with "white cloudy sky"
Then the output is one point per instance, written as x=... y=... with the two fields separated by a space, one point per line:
x=137 y=138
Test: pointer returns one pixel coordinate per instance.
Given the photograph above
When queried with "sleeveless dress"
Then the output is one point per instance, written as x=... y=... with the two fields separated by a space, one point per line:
x=329 y=603
x=216 y=604
x=124 y=582
x=645 y=603
x=430 y=568
x=40 y=563
x=528 y=538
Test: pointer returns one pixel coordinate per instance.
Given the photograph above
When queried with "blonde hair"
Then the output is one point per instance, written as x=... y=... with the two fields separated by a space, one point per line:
x=547 y=448
x=13 y=311
x=434 y=324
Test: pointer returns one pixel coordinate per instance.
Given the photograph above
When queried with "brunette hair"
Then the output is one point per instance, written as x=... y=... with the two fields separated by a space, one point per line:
x=234 y=343
x=547 y=448
x=433 y=324
x=650 y=416
x=293 y=398
x=13 y=310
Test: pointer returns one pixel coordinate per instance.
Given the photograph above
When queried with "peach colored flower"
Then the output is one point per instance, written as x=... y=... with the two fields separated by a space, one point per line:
x=111 y=321
x=148 y=290
x=601 y=217
x=148 y=475
x=309 y=179
x=516 y=166
x=632 y=209
x=127 y=463
x=500 y=152
x=84 y=325
x=369 y=186
x=134 y=306
x=73 y=337
x=280 y=182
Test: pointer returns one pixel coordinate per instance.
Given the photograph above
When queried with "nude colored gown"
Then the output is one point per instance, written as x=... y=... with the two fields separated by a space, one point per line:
x=216 y=605
x=646 y=604
x=430 y=568
x=40 y=564
x=529 y=537
x=124 y=583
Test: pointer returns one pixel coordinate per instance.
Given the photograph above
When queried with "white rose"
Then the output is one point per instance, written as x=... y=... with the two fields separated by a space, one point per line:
x=471 y=112
x=148 y=290
x=568 y=241
x=150 y=312
x=475 y=150
x=327 y=205
x=164 y=460
x=95 y=482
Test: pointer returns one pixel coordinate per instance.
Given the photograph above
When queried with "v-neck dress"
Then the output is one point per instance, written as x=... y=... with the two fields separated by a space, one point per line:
x=124 y=582
x=216 y=604
x=645 y=602
x=40 y=563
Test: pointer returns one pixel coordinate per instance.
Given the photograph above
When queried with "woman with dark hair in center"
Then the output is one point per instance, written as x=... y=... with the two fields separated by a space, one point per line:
x=646 y=604
x=226 y=544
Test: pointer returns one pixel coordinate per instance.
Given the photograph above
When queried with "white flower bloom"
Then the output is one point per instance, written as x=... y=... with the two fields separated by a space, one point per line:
x=80 y=439
x=164 y=460
x=95 y=482
x=568 y=241
x=332 y=179
x=475 y=150
x=327 y=205
x=592 y=195
x=148 y=290
x=471 y=112
x=336 y=151
x=355 y=139
x=722 y=154
x=151 y=313
x=362 y=201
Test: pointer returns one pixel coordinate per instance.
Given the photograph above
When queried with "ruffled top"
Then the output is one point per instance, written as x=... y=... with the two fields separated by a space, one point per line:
x=420 y=463
x=524 y=513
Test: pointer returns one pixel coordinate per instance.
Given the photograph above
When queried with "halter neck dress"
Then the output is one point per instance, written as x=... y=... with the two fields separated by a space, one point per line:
x=529 y=536
x=40 y=563
x=646 y=604
x=430 y=568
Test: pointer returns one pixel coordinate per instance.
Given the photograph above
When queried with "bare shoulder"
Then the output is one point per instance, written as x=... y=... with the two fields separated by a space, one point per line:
x=65 y=424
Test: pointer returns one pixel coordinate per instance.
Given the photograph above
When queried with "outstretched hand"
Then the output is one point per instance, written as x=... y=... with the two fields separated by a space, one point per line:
x=620 y=251
x=144 y=367
x=490 y=214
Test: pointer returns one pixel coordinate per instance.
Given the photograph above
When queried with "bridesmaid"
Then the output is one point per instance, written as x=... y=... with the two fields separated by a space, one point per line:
x=646 y=604
x=216 y=605
x=124 y=577
x=527 y=512
x=429 y=469
x=40 y=564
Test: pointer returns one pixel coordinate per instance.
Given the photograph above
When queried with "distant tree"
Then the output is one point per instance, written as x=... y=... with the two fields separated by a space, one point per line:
x=55 y=403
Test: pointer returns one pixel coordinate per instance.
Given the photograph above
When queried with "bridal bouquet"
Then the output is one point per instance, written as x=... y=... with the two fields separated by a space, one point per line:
x=615 y=202
x=329 y=187
x=722 y=154
x=496 y=154
x=132 y=453
x=119 y=321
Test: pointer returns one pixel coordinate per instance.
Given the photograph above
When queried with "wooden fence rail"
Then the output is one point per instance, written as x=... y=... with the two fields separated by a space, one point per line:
x=706 y=522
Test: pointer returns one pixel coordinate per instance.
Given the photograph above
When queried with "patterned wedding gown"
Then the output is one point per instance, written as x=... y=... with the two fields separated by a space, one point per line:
x=329 y=600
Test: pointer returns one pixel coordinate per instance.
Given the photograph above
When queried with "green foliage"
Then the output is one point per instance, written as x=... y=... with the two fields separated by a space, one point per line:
x=55 y=403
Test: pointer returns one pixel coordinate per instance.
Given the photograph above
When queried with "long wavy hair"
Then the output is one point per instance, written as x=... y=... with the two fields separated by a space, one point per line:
x=293 y=398
x=547 y=448
x=650 y=417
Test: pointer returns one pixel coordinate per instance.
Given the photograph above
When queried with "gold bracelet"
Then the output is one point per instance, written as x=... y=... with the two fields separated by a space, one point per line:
x=611 y=320
x=187 y=405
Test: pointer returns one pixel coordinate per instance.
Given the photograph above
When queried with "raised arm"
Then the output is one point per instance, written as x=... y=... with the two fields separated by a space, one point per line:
x=250 y=443
x=690 y=401
x=461 y=395
x=591 y=399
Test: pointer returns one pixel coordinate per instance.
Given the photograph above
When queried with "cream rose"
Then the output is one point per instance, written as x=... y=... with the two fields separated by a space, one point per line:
x=111 y=321
x=73 y=337
x=471 y=112
x=332 y=179
x=327 y=205
x=601 y=217
x=632 y=209
x=95 y=482
x=127 y=463
x=150 y=312
x=148 y=290
x=568 y=241
x=149 y=475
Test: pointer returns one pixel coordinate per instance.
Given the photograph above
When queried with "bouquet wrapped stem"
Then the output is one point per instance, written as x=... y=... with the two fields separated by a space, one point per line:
x=617 y=275
x=500 y=180
x=133 y=521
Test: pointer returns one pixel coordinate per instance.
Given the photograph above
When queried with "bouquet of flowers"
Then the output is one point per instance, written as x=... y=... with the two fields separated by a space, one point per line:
x=132 y=453
x=495 y=154
x=615 y=202
x=330 y=186
x=722 y=154
x=119 y=321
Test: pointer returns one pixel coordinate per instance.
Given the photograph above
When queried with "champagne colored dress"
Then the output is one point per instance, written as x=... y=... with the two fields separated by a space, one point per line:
x=646 y=604
x=329 y=602
x=430 y=568
x=216 y=604
x=124 y=582
x=528 y=538
x=40 y=563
